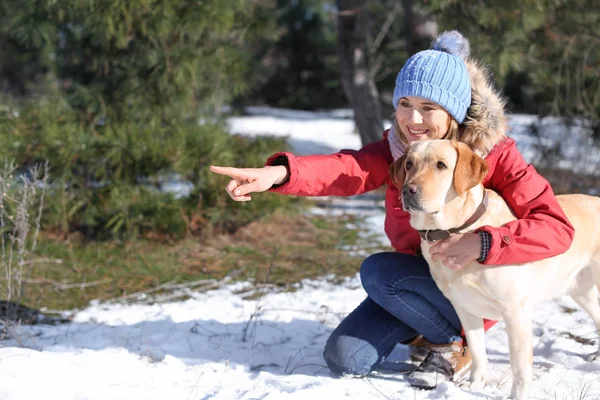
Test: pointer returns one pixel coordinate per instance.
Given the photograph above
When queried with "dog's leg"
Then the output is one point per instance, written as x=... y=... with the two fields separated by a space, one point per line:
x=520 y=343
x=473 y=327
x=585 y=293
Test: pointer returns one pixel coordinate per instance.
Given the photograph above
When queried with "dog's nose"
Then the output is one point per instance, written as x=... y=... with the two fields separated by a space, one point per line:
x=410 y=190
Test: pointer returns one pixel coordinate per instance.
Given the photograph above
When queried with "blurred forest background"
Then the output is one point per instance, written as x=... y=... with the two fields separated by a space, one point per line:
x=123 y=97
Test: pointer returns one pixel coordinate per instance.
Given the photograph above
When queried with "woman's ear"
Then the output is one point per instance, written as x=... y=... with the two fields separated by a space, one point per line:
x=397 y=172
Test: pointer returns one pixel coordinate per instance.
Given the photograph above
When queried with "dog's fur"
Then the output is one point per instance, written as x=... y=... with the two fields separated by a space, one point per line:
x=446 y=198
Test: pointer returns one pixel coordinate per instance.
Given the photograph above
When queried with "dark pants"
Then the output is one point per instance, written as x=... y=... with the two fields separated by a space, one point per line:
x=403 y=301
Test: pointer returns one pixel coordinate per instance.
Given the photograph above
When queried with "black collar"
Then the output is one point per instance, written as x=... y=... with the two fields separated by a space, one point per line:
x=432 y=235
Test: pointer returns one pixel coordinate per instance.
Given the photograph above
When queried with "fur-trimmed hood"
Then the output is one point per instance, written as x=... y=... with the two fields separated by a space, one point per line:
x=485 y=124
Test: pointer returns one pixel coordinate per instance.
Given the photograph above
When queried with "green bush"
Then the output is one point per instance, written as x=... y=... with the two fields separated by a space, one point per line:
x=110 y=93
x=106 y=179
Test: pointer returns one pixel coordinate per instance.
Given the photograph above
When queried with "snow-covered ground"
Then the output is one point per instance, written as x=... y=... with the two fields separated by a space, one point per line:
x=219 y=345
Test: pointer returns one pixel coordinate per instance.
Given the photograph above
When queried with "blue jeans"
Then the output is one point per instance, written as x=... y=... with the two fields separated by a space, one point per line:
x=403 y=301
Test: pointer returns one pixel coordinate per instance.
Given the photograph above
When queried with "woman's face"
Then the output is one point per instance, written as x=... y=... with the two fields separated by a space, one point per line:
x=421 y=119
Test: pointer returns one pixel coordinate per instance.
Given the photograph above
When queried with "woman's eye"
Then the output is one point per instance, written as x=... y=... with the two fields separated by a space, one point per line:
x=408 y=165
x=441 y=165
x=405 y=104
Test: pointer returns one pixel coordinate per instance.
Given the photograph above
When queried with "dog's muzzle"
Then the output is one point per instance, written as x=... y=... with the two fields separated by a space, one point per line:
x=411 y=197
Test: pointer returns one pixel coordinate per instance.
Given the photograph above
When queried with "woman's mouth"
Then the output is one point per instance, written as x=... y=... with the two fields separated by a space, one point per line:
x=417 y=132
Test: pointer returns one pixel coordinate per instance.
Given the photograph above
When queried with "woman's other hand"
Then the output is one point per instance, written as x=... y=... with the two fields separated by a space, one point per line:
x=457 y=251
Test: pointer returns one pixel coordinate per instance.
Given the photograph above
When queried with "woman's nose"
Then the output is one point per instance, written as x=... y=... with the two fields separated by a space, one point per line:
x=416 y=117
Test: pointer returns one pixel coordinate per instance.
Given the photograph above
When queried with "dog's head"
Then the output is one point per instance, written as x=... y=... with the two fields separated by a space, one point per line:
x=432 y=173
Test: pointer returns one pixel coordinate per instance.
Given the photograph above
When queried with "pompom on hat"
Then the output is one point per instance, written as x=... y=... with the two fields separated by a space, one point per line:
x=439 y=75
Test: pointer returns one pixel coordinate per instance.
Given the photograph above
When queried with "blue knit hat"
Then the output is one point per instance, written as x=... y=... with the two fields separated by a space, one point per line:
x=439 y=75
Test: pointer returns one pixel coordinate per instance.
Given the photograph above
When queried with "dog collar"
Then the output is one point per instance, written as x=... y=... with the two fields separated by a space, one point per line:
x=433 y=235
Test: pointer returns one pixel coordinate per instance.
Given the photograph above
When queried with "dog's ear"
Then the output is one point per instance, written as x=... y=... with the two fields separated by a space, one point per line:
x=470 y=169
x=397 y=172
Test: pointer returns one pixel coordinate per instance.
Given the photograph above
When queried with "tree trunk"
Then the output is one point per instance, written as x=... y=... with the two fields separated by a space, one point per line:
x=357 y=82
x=420 y=29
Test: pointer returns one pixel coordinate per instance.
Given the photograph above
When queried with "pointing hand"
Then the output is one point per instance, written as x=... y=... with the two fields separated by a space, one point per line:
x=248 y=180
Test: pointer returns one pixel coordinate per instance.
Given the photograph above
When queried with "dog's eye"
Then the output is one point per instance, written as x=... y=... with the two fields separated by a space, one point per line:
x=408 y=165
x=441 y=165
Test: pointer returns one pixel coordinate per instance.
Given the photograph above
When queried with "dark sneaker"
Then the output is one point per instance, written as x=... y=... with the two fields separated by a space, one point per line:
x=418 y=348
x=445 y=362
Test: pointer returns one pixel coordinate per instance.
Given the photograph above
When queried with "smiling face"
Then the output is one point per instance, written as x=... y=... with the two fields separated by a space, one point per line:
x=420 y=119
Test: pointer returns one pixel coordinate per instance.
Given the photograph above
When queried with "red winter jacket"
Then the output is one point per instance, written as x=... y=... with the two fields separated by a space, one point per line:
x=542 y=229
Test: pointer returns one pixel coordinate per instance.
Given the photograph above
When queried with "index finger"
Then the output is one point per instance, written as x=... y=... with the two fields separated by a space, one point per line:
x=228 y=171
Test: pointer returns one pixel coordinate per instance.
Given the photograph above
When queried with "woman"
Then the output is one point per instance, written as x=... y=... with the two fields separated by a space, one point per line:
x=439 y=93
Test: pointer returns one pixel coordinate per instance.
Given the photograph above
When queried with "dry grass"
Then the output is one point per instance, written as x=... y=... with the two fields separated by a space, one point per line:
x=21 y=205
x=578 y=339
x=306 y=247
x=276 y=252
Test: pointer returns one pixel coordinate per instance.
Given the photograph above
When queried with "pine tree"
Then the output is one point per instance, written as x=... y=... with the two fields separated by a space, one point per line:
x=544 y=53
x=153 y=55
x=115 y=99
x=299 y=69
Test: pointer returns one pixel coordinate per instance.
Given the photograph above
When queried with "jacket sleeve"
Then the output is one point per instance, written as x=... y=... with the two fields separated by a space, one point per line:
x=345 y=173
x=542 y=229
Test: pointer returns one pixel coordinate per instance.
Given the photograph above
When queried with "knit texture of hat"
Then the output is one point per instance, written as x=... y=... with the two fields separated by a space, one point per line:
x=438 y=75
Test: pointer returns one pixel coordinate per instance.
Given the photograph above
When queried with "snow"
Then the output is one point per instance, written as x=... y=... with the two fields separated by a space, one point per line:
x=570 y=144
x=221 y=345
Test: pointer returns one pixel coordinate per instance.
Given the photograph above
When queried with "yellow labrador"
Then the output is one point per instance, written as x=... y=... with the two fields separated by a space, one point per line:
x=442 y=190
